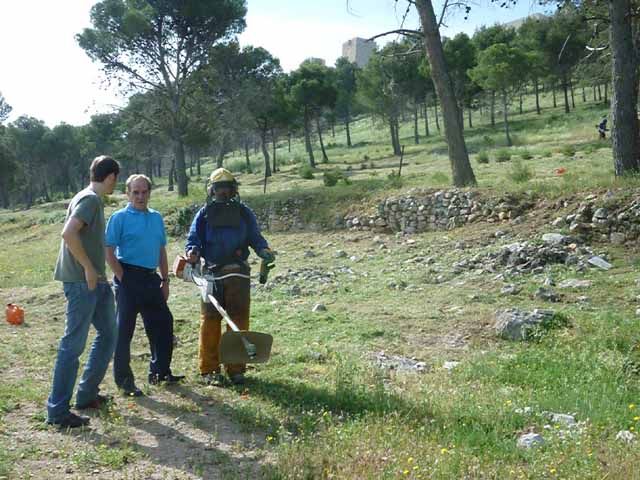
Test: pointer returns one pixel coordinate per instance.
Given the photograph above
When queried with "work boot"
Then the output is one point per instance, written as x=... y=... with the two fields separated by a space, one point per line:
x=169 y=379
x=71 y=420
x=97 y=403
x=132 y=391
x=237 y=379
x=214 y=379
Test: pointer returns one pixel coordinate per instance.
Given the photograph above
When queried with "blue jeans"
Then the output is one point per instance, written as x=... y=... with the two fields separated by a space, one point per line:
x=84 y=308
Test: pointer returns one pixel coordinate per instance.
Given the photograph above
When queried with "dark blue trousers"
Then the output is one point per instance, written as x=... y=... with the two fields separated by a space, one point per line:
x=140 y=292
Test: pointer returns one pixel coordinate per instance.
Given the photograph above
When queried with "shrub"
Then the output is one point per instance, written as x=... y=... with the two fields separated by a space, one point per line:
x=483 y=157
x=331 y=177
x=526 y=155
x=520 y=173
x=306 y=172
x=488 y=141
x=568 y=150
x=503 y=155
x=395 y=181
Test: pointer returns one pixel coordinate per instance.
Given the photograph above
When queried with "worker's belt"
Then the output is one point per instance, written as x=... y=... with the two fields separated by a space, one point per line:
x=136 y=268
x=215 y=276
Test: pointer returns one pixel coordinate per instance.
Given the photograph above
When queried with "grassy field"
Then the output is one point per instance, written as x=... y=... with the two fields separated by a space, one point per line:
x=322 y=407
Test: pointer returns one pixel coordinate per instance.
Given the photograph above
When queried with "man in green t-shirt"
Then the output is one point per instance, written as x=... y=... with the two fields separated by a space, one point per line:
x=81 y=269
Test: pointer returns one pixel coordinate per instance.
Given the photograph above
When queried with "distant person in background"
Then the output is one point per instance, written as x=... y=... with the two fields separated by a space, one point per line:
x=81 y=268
x=136 y=243
x=222 y=232
x=602 y=129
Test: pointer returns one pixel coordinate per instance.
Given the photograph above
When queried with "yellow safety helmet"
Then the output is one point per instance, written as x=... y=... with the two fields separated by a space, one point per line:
x=220 y=175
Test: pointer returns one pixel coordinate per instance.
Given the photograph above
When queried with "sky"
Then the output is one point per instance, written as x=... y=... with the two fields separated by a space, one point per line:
x=46 y=75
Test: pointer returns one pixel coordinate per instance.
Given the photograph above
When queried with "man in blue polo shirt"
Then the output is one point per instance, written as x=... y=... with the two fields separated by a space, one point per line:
x=135 y=248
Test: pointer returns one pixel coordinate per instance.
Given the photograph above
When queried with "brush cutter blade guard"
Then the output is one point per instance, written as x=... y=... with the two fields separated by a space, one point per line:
x=233 y=347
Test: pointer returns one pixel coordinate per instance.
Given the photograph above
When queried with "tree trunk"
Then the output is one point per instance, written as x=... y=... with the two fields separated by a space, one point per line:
x=289 y=141
x=274 y=142
x=469 y=114
x=606 y=93
x=459 y=158
x=506 y=117
x=573 y=99
x=416 y=135
x=198 y=165
x=426 y=118
x=265 y=150
x=171 y=176
x=347 y=120
x=179 y=168
x=307 y=139
x=565 y=91
x=520 y=103
x=624 y=112
x=325 y=159
x=395 y=142
x=536 y=87
x=246 y=155
x=584 y=95
x=333 y=128
x=437 y=117
x=492 y=112
x=553 y=91
x=599 y=93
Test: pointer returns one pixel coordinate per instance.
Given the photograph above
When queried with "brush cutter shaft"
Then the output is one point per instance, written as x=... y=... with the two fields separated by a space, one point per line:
x=249 y=347
x=201 y=282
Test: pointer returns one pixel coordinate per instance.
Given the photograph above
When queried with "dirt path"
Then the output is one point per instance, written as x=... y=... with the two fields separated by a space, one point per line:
x=163 y=441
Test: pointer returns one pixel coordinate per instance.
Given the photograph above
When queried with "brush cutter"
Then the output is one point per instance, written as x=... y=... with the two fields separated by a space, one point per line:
x=237 y=346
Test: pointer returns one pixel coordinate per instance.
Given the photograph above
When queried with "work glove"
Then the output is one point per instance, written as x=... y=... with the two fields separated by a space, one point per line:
x=267 y=255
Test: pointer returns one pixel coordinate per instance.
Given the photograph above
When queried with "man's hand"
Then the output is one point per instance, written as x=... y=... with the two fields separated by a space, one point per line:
x=193 y=255
x=267 y=255
x=91 y=276
x=165 y=290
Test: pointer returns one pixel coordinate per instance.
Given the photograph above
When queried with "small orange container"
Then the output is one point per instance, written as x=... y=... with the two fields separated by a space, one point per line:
x=15 y=314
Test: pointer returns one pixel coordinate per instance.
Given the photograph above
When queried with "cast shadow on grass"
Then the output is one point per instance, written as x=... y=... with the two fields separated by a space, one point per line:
x=176 y=449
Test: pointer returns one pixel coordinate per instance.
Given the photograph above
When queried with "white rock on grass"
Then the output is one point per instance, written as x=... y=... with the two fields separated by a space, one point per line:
x=530 y=440
x=626 y=436
x=575 y=283
x=319 y=307
x=450 y=365
x=554 y=238
x=599 y=262
x=563 y=419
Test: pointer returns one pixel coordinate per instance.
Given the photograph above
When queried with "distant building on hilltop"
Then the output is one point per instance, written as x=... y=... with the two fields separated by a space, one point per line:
x=358 y=50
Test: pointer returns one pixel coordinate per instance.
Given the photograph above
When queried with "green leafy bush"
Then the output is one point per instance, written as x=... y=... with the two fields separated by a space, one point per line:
x=331 y=177
x=526 y=155
x=306 y=172
x=503 y=155
x=483 y=157
x=568 y=150
x=488 y=141
x=519 y=172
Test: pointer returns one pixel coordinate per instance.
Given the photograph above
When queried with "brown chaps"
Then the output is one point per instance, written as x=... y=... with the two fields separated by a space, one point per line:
x=236 y=301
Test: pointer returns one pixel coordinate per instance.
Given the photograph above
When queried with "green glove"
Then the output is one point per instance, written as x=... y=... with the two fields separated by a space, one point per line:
x=267 y=255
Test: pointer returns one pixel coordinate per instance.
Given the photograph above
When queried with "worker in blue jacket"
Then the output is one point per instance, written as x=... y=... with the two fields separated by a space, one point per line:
x=222 y=232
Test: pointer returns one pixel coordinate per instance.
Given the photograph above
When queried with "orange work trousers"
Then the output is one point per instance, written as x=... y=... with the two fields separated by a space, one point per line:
x=236 y=301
